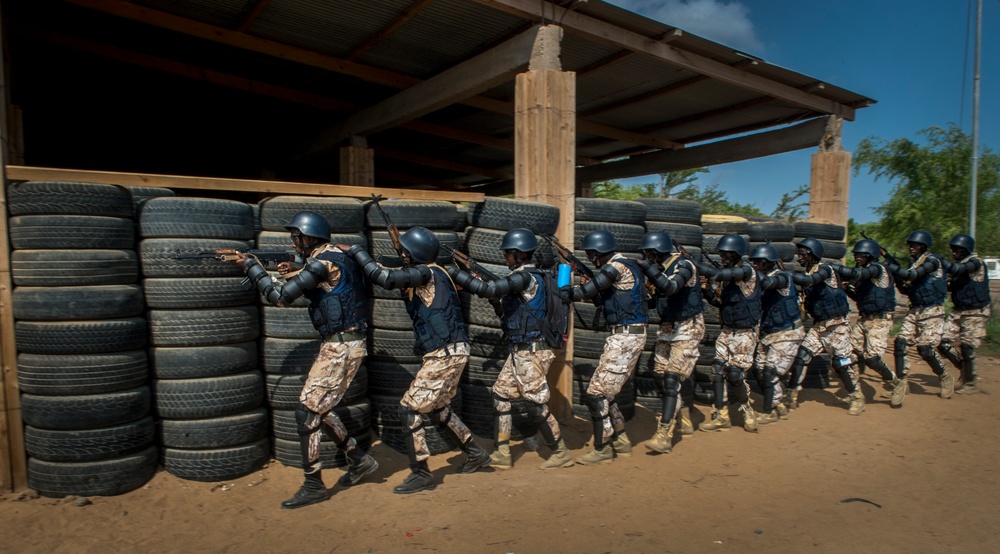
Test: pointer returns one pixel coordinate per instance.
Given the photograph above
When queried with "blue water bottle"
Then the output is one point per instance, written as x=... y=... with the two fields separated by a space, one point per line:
x=565 y=273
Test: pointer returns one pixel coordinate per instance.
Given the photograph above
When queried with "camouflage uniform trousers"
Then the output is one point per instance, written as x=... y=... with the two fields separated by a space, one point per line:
x=778 y=350
x=523 y=376
x=870 y=336
x=432 y=391
x=329 y=377
x=967 y=326
x=735 y=347
x=677 y=348
x=923 y=326
x=621 y=352
x=834 y=337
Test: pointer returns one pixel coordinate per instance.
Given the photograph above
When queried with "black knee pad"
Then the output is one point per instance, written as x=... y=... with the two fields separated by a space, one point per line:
x=968 y=352
x=899 y=344
x=718 y=372
x=410 y=419
x=926 y=351
x=535 y=411
x=306 y=420
x=803 y=356
x=671 y=384
x=594 y=404
x=442 y=420
x=497 y=400
x=735 y=374
x=769 y=375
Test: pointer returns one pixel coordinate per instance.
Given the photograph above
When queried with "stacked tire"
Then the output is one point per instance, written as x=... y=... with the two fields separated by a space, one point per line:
x=203 y=326
x=290 y=343
x=80 y=336
x=393 y=361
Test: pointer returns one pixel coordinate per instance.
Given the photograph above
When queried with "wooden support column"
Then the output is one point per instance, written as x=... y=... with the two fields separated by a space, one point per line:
x=544 y=159
x=830 y=178
x=357 y=164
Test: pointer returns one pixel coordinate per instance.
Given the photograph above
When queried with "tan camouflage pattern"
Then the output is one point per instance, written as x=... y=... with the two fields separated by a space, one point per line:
x=677 y=345
x=626 y=280
x=433 y=389
x=329 y=377
x=832 y=335
x=967 y=326
x=523 y=376
x=778 y=349
x=870 y=337
x=621 y=352
x=923 y=325
x=736 y=347
x=333 y=270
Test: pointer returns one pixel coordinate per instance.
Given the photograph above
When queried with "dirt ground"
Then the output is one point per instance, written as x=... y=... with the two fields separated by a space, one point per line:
x=920 y=479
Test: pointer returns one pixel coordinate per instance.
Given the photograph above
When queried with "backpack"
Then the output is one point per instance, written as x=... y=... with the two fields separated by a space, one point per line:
x=555 y=326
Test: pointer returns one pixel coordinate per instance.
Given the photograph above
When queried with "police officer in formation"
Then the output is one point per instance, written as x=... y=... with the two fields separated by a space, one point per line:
x=619 y=288
x=871 y=286
x=739 y=302
x=826 y=302
x=440 y=334
x=520 y=303
x=781 y=331
x=924 y=284
x=970 y=296
x=677 y=298
x=338 y=308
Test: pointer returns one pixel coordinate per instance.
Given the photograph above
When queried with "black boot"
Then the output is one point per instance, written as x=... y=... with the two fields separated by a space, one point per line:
x=313 y=490
x=476 y=457
x=419 y=480
x=359 y=465
x=946 y=350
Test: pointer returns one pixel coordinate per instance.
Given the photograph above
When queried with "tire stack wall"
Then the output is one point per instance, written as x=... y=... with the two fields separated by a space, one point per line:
x=488 y=223
x=80 y=335
x=208 y=389
x=393 y=361
x=289 y=342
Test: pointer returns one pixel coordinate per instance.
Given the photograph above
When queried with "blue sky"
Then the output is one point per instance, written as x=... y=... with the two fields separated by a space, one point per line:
x=914 y=57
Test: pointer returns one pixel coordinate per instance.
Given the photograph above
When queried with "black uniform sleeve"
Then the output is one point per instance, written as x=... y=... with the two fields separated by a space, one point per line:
x=776 y=282
x=603 y=280
x=405 y=278
x=970 y=266
x=930 y=265
x=514 y=283
x=667 y=285
x=309 y=277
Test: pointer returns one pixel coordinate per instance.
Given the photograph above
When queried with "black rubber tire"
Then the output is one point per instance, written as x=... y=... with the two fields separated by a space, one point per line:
x=76 y=374
x=71 y=232
x=141 y=194
x=483 y=371
x=394 y=345
x=711 y=314
x=386 y=422
x=98 y=478
x=405 y=214
x=625 y=398
x=484 y=246
x=589 y=344
x=289 y=453
x=488 y=342
x=80 y=337
x=356 y=417
x=628 y=238
x=203 y=327
x=672 y=210
x=281 y=240
x=387 y=378
x=478 y=311
x=282 y=391
x=824 y=231
x=773 y=231
x=158 y=257
x=345 y=215
x=390 y=314
x=683 y=233
x=603 y=210
x=217 y=464
x=288 y=323
x=63 y=197
x=54 y=268
x=587 y=316
x=218 y=432
x=77 y=303
x=84 y=445
x=288 y=356
x=203 y=361
x=178 y=217
x=90 y=411
x=506 y=214
x=208 y=397
x=197 y=292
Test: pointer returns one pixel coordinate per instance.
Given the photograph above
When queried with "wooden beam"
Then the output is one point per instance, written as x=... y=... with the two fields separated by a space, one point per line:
x=797 y=137
x=603 y=32
x=662 y=91
x=256 y=9
x=25 y=173
x=466 y=79
x=384 y=32
x=444 y=164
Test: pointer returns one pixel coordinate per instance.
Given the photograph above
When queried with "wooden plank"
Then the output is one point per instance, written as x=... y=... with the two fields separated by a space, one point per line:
x=27 y=173
x=830 y=186
x=357 y=166
x=13 y=459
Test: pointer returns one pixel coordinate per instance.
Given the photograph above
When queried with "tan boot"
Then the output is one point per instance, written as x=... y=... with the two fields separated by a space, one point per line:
x=898 y=392
x=603 y=456
x=684 y=415
x=663 y=440
x=947 y=385
x=719 y=422
x=622 y=446
x=968 y=388
x=765 y=418
x=782 y=410
x=560 y=457
x=857 y=403
x=793 y=399
x=749 y=418
x=501 y=458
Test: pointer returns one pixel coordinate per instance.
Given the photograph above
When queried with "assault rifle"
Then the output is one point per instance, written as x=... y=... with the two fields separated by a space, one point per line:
x=389 y=225
x=265 y=257
x=466 y=261
x=567 y=255
x=885 y=253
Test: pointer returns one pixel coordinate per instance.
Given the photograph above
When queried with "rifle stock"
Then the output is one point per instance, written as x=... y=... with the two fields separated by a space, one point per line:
x=466 y=261
x=389 y=225
x=567 y=255
x=265 y=257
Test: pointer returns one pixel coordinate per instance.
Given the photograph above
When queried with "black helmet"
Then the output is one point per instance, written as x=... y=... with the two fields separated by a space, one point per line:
x=765 y=252
x=963 y=241
x=599 y=241
x=521 y=240
x=812 y=245
x=659 y=241
x=733 y=243
x=868 y=246
x=422 y=244
x=921 y=237
x=310 y=224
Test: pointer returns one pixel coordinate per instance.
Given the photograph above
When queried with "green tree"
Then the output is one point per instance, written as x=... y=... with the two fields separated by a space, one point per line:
x=715 y=201
x=790 y=208
x=614 y=190
x=681 y=178
x=931 y=188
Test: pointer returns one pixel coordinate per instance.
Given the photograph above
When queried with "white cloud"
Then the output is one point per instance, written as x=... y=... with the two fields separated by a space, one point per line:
x=717 y=20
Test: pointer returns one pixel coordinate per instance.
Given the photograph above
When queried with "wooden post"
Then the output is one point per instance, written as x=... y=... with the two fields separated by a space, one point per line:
x=357 y=164
x=544 y=159
x=830 y=178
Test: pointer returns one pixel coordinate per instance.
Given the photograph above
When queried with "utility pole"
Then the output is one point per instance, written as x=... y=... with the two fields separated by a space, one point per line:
x=975 y=120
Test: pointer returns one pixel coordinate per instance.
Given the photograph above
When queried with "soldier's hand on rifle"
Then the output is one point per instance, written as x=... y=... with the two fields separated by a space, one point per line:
x=285 y=268
x=344 y=247
x=584 y=280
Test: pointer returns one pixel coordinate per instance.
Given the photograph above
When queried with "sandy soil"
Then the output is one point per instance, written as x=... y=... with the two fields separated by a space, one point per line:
x=920 y=479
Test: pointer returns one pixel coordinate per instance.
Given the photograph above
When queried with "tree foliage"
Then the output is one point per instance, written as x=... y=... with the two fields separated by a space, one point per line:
x=791 y=207
x=931 y=188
